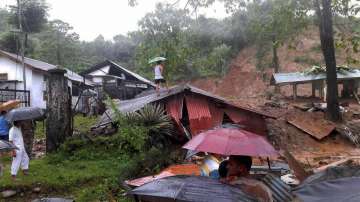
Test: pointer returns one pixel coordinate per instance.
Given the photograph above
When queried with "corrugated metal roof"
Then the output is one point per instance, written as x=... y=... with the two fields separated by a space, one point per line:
x=133 y=74
x=30 y=62
x=115 y=65
x=197 y=107
x=299 y=77
x=281 y=192
x=43 y=66
x=312 y=124
x=174 y=107
x=199 y=113
x=76 y=77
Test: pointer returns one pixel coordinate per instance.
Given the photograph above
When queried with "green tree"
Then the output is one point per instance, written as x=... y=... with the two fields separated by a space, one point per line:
x=34 y=15
x=59 y=44
x=4 y=15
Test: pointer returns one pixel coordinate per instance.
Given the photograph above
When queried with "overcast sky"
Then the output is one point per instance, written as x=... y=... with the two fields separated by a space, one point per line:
x=107 y=17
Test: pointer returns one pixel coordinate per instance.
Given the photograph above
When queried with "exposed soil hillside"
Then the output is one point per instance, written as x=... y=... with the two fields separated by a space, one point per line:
x=247 y=85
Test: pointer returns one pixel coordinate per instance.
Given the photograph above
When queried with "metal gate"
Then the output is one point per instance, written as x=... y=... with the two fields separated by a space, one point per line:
x=9 y=94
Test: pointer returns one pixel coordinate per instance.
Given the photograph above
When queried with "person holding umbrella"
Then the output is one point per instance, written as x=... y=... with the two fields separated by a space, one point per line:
x=20 y=157
x=4 y=127
x=240 y=145
x=158 y=72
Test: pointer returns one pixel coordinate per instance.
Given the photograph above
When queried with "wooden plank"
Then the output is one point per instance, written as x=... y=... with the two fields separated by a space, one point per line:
x=298 y=169
x=313 y=89
x=294 y=91
x=336 y=163
x=314 y=126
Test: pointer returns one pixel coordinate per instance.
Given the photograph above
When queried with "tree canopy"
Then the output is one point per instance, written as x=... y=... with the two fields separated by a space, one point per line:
x=195 y=46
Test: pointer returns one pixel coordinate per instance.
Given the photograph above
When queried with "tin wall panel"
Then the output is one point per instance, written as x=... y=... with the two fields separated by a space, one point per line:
x=251 y=121
x=199 y=114
x=174 y=108
x=217 y=114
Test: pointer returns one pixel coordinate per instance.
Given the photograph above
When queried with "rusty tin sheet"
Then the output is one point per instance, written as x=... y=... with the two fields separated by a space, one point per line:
x=314 y=125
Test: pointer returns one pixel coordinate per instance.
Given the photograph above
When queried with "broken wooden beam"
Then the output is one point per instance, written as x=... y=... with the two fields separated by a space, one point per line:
x=294 y=91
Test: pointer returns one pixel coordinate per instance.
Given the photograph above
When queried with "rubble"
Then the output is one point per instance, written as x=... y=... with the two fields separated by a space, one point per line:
x=39 y=147
x=351 y=131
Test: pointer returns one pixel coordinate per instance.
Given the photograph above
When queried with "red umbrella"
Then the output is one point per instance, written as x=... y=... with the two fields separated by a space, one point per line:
x=231 y=141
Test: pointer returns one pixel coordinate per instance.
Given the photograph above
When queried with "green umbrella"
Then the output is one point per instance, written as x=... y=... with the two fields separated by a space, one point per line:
x=157 y=59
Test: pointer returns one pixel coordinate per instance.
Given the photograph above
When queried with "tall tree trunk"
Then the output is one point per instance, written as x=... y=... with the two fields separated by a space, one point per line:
x=328 y=49
x=275 y=60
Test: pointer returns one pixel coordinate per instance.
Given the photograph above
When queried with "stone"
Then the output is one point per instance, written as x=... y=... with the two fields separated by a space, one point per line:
x=37 y=190
x=8 y=193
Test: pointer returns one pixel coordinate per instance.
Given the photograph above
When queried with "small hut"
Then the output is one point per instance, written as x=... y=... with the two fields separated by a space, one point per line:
x=348 y=79
x=116 y=81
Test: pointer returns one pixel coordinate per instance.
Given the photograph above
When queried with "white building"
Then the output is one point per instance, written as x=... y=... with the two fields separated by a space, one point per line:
x=11 y=79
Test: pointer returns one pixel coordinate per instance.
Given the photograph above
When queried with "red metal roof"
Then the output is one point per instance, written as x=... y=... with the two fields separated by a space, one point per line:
x=174 y=107
x=199 y=113
x=217 y=114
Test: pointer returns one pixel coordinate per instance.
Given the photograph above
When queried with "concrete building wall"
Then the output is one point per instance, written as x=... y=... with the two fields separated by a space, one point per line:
x=34 y=81
x=37 y=90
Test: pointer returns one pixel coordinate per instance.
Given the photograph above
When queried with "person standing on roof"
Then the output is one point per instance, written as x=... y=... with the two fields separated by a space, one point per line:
x=4 y=127
x=20 y=157
x=159 y=79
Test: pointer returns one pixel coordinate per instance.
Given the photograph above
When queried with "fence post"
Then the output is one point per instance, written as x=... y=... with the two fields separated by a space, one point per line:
x=59 y=119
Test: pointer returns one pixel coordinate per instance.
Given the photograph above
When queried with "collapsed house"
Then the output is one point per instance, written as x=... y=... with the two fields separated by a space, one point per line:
x=194 y=110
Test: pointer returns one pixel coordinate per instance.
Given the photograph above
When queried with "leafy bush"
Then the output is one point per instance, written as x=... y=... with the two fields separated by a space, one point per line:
x=139 y=131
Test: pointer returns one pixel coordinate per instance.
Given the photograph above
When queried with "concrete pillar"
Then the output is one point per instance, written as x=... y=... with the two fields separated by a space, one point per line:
x=59 y=119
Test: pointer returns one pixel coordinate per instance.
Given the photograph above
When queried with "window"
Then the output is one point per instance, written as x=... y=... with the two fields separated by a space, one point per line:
x=3 y=76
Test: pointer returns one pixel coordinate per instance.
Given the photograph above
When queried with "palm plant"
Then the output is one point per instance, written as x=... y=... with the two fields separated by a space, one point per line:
x=154 y=118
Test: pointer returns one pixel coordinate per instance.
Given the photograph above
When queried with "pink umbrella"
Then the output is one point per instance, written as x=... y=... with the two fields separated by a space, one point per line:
x=231 y=141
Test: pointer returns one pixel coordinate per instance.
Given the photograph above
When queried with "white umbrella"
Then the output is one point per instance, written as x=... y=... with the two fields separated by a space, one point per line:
x=157 y=59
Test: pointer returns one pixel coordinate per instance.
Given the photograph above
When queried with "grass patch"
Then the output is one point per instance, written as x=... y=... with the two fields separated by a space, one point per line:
x=72 y=175
x=88 y=170
x=81 y=124
x=93 y=169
